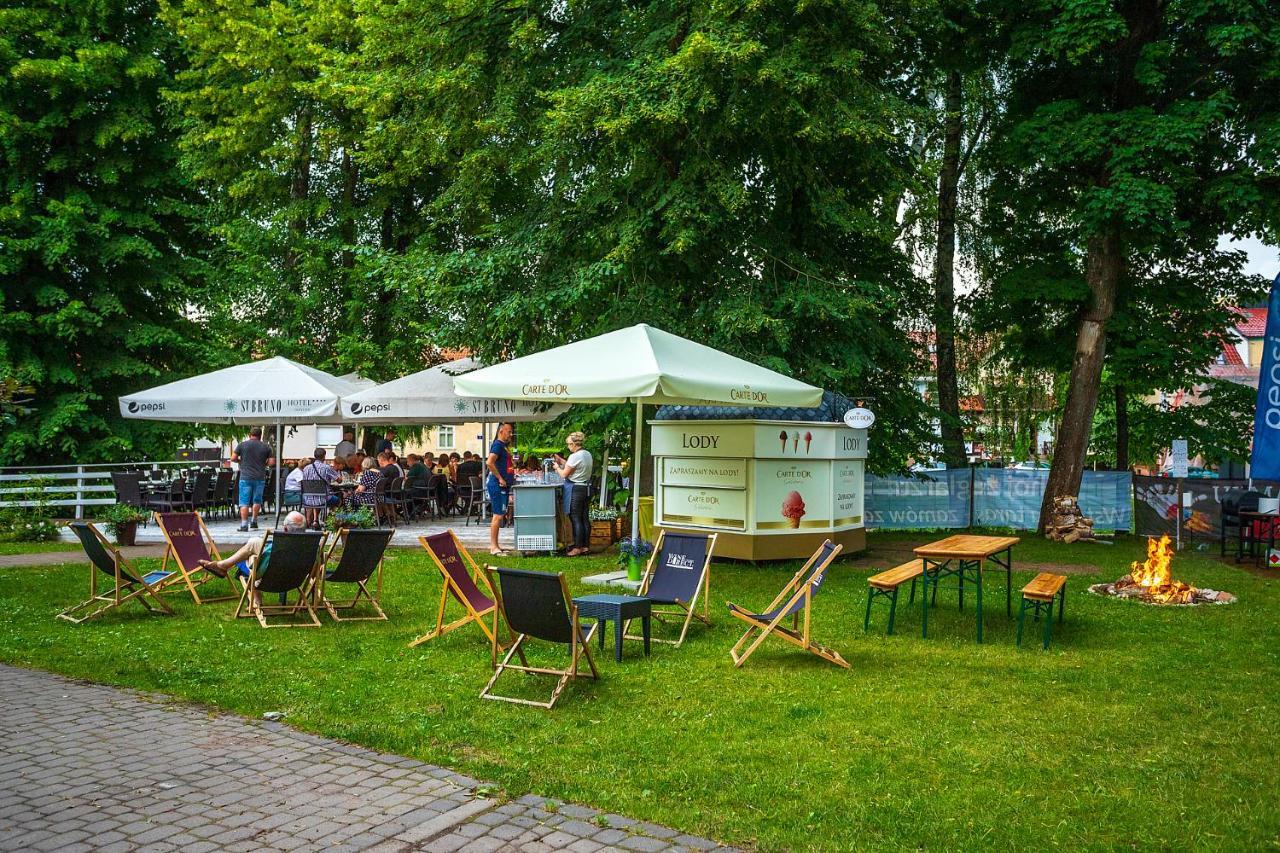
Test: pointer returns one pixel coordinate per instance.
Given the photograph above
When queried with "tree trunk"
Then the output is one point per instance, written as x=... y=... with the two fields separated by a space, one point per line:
x=944 y=306
x=1103 y=265
x=299 y=188
x=1122 y=429
x=349 y=177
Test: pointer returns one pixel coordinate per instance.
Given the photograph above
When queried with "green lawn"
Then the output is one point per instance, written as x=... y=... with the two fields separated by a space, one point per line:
x=1141 y=726
x=10 y=548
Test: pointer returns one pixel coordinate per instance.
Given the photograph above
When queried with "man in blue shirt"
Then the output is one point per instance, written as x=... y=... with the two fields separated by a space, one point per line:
x=498 y=484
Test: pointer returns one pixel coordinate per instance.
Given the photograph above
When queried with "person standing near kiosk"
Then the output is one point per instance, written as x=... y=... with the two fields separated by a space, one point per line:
x=576 y=470
x=498 y=484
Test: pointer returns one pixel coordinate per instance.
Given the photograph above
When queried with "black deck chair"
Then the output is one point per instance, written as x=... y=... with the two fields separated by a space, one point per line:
x=293 y=565
x=678 y=574
x=127 y=582
x=360 y=555
x=536 y=605
x=794 y=599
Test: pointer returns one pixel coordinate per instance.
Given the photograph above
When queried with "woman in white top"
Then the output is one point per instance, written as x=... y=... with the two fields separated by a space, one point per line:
x=576 y=470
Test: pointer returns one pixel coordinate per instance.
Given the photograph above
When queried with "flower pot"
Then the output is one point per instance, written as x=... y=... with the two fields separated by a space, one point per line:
x=635 y=568
x=126 y=533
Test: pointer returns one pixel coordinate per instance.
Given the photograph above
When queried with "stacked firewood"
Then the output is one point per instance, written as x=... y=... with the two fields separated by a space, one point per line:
x=1068 y=523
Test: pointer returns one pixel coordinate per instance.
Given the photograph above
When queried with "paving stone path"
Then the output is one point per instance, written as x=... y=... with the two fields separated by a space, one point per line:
x=88 y=767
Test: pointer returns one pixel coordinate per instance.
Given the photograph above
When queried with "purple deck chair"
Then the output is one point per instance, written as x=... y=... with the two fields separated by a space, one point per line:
x=795 y=598
x=461 y=574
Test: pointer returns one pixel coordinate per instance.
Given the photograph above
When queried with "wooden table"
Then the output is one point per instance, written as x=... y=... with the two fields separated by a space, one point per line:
x=963 y=557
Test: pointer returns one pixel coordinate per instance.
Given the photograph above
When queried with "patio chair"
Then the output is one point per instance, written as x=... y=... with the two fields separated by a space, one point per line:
x=678 y=573
x=170 y=498
x=201 y=490
x=382 y=506
x=127 y=582
x=315 y=495
x=397 y=500
x=537 y=605
x=189 y=543
x=463 y=581
x=290 y=562
x=360 y=554
x=221 y=502
x=472 y=499
x=796 y=597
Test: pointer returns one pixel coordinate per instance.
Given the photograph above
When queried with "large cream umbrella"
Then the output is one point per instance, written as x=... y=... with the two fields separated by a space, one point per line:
x=274 y=391
x=637 y=365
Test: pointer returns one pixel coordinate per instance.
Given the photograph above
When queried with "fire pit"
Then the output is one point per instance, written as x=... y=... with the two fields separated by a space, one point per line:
x=1152 y=581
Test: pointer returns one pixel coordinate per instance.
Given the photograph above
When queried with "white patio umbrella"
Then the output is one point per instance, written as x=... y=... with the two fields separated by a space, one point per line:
x=427 y=397
x=638 y=365
x=273 y=391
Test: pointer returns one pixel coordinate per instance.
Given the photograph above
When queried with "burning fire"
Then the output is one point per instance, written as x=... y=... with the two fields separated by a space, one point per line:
x=1156 y=577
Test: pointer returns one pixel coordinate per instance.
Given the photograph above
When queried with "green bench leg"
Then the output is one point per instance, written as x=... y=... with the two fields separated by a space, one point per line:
x=913 y=591
x=1022 y=617
x=1062 y=602
x=871 y=594
x=893 y=609
x=1048 y=624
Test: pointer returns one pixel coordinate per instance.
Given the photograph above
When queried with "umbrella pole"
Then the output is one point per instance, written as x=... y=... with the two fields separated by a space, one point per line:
x=635 y=472
x=279 y=485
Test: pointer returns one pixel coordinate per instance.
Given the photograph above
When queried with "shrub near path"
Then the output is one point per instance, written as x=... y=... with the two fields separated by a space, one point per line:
x=1141 y=726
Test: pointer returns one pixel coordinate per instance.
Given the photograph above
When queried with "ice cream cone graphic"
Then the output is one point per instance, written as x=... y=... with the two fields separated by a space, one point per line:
x=783 y=435
x=793 y=509
x=795 y=441
x=808 y=437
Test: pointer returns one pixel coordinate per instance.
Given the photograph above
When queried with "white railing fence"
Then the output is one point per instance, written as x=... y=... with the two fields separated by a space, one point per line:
x=77 y=486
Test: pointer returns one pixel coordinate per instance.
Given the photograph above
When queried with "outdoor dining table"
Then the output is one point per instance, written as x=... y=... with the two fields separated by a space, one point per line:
x=1250 y=522
x=963 y=557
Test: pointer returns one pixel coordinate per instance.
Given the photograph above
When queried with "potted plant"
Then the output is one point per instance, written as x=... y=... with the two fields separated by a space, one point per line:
x=122 y=522
x=358 y=519
x=621 y=513
x=602 y=526
x=633 y=553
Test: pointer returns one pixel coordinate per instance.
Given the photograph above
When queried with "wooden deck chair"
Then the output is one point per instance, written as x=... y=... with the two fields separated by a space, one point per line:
x=795 y=597
x=678 y=573
x=463 y=580
x=292 y=564
x=359 y=560
x=127 y=582
x=537 y=605
x=189 y=543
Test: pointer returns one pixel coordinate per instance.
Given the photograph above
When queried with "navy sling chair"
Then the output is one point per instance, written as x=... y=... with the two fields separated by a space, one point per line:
x=677 y=576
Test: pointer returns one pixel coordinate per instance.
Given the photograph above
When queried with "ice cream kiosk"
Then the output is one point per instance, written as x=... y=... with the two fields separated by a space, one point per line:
x=773 y=488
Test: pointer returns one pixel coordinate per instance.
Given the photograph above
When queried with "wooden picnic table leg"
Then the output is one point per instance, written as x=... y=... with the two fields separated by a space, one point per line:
x=924 y=600
x=978 y=569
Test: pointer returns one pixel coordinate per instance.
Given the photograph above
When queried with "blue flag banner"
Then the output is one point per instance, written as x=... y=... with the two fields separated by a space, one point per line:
x=1265 y=462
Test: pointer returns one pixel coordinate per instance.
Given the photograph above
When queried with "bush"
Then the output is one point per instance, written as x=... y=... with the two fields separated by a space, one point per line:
x=359 y=519
x=21 y=524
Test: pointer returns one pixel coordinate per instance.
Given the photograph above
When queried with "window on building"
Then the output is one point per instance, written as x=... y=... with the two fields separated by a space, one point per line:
x=444 y=438
x=328 y=436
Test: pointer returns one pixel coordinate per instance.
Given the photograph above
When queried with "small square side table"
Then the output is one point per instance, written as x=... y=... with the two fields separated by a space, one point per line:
x=619 y=608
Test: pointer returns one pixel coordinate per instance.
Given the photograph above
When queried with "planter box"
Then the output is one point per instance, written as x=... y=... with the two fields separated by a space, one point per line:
x=602 y=534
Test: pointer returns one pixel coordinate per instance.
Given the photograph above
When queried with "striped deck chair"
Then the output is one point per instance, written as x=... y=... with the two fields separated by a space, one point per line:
x=293 y=564
x=127 y=582
x=359 y=560
x=796 y=596
x=537 y=605
x=463 y=581
x=678 y=573
x=190 y=544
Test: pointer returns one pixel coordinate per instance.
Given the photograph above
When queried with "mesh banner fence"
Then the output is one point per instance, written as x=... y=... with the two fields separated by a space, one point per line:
x=995 y=497
x=1155 y=501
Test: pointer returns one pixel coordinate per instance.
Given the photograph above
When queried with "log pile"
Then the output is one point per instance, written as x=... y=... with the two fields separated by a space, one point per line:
x=1068 y=523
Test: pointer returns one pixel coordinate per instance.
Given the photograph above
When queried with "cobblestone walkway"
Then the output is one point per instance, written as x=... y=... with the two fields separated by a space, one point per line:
x=91 y=767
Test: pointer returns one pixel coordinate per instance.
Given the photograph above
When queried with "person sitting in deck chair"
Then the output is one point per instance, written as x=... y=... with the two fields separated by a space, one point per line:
x=257 y=546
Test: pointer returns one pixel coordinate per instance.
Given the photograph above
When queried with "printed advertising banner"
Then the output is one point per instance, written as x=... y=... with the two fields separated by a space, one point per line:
x=1002 y=497
x=792 y=495
x=1266 y=420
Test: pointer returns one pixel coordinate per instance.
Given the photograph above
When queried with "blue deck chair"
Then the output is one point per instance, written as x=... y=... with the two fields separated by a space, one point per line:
x=795 y=598
x=127 y=582
x=678 y=574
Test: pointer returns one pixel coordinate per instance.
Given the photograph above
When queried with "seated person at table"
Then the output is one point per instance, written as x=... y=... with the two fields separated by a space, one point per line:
x=454 y=461
x=388 y=466
x=418 y=472
x=257 y=546
x=369 y=477
x=293 y=485
x=340 y=468
x=469 y=467
x=318 y=469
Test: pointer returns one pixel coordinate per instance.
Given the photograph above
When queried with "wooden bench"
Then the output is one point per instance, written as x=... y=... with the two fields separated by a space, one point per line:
x=1040 y=595
x=885 y=585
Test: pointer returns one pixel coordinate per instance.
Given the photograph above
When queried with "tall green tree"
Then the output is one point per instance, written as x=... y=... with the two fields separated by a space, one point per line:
x=718 y=170
x=1135 y=132
x=98 y=251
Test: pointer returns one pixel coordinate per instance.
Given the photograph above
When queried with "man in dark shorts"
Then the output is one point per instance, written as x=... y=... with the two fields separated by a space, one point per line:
x=498 y=483
x=255 y=457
